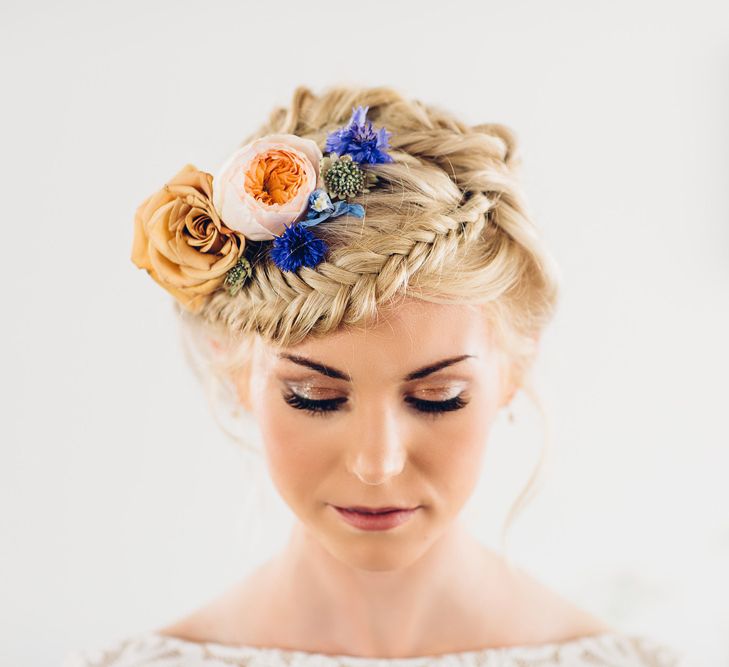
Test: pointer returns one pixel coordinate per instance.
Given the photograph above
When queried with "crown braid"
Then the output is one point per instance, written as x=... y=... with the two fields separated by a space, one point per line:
x=447 y=221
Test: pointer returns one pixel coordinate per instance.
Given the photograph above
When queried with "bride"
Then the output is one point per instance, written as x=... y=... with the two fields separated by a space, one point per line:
x=364 y=274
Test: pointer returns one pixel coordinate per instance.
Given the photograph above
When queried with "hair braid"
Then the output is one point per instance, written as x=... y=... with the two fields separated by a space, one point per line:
x=349 y=287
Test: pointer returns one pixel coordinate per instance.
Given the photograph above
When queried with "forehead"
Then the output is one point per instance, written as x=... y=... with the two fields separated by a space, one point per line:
x=416 y=322
x=407 y=335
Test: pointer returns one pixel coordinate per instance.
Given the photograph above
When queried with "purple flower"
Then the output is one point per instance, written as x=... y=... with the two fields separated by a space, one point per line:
x=296 y=247
x=360 y=140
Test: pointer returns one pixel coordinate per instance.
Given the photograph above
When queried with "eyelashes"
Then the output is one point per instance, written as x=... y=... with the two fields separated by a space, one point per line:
x=323 y=406
x=455 y=403
x=317 y=407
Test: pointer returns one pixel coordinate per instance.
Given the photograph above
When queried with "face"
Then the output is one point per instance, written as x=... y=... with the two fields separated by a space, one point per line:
x=394 y=415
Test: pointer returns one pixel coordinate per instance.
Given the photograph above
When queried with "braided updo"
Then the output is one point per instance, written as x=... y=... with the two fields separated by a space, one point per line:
x=447 y=222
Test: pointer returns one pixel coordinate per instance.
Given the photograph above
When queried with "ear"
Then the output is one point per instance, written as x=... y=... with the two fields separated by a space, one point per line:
x=509 y=385
x=241 y=379
x=243 y=387
x=513 y=377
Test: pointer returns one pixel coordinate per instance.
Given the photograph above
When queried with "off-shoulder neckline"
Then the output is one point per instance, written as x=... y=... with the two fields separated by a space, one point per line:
x=602 y=639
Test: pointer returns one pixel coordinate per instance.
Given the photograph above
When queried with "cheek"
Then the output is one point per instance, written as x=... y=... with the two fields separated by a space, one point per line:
x=455 y=450
x=296 y=450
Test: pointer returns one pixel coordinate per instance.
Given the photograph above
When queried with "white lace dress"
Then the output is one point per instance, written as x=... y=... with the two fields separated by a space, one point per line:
x=154 y=650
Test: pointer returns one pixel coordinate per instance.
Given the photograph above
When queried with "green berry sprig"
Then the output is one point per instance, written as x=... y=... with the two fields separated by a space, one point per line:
x=344 y=178
x=236 y=276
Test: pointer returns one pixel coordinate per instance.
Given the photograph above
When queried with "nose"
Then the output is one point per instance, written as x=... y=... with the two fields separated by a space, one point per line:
x=377 y=448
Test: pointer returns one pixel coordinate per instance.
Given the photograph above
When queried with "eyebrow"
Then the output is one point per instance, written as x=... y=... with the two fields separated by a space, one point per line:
x=328 y=371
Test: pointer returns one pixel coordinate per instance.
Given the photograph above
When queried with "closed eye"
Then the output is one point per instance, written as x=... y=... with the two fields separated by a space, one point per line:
x=455 y=403
x=312 y=406
x=322 y=406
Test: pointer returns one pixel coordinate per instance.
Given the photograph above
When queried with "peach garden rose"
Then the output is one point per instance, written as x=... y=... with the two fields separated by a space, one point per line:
x=265 y=185
x=180 y=240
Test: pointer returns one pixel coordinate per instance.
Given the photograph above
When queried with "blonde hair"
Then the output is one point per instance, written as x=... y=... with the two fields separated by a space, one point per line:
x=447 y=222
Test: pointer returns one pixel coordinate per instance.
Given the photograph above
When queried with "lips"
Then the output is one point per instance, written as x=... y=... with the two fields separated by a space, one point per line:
x=376 y=510
x=367 y=519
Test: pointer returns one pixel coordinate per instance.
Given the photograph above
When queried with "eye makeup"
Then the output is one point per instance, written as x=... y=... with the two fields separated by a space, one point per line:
x=318 y=407
x=314 y=407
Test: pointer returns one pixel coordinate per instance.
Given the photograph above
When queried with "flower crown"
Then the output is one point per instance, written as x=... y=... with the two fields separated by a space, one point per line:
x=191 y=235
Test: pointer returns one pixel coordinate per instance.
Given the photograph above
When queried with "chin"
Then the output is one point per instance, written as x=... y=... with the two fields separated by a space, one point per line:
x=378 y=557
x=376 y=551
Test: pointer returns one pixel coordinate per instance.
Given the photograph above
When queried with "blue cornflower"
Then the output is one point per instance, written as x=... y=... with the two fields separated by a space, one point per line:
x=360 y=140
x=296 y=247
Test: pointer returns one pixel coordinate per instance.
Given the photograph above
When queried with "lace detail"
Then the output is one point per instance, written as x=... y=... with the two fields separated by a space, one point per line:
x=154 y=650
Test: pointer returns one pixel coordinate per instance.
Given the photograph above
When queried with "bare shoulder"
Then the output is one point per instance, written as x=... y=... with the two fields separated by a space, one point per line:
x=227 y=618
x=546 y=616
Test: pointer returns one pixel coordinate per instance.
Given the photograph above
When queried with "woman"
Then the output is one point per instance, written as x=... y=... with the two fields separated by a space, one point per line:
x=364 y=274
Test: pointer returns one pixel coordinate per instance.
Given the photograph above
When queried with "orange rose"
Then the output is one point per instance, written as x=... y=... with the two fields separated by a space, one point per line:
x=180 y=240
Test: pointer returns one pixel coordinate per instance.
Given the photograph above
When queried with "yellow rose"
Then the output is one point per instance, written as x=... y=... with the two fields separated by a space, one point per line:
x=180 y=240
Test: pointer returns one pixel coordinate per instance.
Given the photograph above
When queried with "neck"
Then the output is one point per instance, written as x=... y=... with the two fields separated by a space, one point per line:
x=412 y=610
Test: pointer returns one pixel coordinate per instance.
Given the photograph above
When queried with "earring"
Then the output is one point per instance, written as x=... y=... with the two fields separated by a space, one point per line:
x=510 y=415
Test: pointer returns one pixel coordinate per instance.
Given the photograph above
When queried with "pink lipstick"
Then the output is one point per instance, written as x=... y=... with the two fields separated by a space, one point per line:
x=372 y=519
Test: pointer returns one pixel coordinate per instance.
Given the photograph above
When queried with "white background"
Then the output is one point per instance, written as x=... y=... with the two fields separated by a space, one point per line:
x=122 y=506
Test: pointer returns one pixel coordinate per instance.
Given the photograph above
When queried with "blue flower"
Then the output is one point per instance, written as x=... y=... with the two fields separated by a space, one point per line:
x=321 y=208
x=360 y=140
x=296 y=247
x=319 y=202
